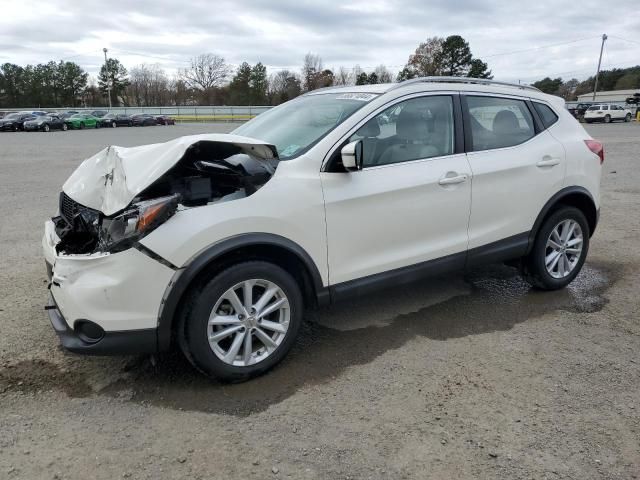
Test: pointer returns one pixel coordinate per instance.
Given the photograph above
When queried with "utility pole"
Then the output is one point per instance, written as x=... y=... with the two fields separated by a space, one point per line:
x=595 y=87
x=109 y=79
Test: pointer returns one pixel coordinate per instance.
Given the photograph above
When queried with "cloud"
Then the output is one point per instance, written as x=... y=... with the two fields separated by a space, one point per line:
x=344 y=33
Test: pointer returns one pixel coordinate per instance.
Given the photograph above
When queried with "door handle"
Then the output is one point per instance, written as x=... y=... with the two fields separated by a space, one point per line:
x=452 y=178
x=548 y=161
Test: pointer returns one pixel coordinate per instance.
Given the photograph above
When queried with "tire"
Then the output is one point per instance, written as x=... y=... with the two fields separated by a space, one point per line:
x=535 y=269
x=46 y=128
x=15 y=128
x=194 y=329
x=607 y=119
x=129 y=124
x=114 y=124
x=64 y=127
x=97 y=125
x=81 y=125
x=627 y=118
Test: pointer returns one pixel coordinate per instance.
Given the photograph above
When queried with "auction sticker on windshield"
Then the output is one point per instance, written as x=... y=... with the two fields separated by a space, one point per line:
x=364 y=97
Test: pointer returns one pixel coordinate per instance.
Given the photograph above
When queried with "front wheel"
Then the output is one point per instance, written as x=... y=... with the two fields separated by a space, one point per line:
x=607 y=119
x=81 y=126
x=559 y=250
x=64 y=127
x=627 y=118
x=45 y=128
x=241 y=322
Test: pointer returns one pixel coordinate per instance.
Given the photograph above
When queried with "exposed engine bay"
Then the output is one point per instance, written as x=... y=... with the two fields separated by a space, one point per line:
x=208 y=172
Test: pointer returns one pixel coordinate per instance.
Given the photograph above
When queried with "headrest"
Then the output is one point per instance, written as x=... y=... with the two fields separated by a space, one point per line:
x=370 y=129
x=506 y=123
x=410 y=125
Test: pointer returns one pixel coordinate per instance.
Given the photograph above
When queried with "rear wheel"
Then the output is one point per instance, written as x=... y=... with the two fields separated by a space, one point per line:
x=64 y=127
x=241 y=322
x=559 y=251
x=627 y=118
x=81 y=125
x=45 y=127
x=607 y=119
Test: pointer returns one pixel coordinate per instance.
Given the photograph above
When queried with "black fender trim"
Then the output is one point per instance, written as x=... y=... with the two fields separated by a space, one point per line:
x=185 y=275
x=555 y=199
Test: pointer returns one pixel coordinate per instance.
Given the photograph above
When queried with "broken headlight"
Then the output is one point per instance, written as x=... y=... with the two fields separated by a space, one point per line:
x=120 y=232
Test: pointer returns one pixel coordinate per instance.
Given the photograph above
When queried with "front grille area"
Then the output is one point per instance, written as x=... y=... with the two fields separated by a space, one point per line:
x=68 y=208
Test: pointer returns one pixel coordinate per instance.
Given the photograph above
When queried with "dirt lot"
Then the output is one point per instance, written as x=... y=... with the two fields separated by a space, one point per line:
x=459 y=377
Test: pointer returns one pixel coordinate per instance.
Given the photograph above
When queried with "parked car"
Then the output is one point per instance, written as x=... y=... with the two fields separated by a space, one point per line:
x=116 y=120
x=143 y=120
x=607 y=112
x=165 y=120
x=578 y=109
x=15 y=121
x=82 y=121
x=45 y=123
x=231 y=236
x=67 y=114
x=98 y=113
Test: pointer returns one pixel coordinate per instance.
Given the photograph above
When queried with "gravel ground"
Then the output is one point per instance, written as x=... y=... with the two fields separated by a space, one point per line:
x=473 y=376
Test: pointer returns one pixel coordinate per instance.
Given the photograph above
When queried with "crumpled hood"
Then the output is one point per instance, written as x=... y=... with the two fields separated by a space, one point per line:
x=112 y=178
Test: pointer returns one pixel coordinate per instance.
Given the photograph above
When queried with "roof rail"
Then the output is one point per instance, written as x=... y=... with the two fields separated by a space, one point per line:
x=480 y=81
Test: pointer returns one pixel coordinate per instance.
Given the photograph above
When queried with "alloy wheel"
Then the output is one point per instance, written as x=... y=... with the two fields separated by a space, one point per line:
x=248 y=322
x=564 y=248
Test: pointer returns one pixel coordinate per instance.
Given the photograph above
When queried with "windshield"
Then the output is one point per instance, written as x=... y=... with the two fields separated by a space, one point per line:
x=11 y=116
x=77 y=115
x=294 y=127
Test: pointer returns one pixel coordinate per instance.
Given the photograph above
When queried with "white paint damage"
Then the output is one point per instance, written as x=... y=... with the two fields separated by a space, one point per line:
x=113 y=177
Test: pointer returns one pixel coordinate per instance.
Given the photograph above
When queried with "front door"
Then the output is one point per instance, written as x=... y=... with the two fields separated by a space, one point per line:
x=410 y=203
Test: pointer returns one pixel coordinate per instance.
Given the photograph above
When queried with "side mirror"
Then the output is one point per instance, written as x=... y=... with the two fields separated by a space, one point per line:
x=352 y=156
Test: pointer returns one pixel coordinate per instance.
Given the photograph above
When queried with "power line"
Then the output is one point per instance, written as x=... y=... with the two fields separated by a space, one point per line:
x=540 y=47
x=625 y=39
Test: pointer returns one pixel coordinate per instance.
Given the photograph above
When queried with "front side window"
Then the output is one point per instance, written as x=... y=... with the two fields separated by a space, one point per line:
x=294 y=127
x=411 y=130
x=499 y=122
x=605 y=107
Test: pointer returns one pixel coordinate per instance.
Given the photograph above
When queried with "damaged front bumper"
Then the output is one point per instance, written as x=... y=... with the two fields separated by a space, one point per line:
x=104 y=303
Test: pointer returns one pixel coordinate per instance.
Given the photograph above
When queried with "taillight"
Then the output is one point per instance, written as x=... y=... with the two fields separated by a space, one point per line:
x=596 y=147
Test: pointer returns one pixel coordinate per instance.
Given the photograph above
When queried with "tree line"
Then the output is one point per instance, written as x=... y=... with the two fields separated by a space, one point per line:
x=614 y=79
x=210 y=80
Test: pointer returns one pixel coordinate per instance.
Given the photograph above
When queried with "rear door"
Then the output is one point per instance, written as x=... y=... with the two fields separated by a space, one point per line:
x=516 y=164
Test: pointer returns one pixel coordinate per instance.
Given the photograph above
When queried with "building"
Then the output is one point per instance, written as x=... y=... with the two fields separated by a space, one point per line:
x=611 y=96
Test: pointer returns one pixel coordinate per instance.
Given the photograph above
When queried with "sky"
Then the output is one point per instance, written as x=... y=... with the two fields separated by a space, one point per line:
x=521 y=41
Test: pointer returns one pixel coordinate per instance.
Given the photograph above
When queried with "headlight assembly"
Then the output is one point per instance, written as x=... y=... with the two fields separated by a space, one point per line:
x=119 y=232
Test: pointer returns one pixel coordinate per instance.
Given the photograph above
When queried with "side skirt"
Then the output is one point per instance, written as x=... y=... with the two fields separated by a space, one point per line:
x=508 y=249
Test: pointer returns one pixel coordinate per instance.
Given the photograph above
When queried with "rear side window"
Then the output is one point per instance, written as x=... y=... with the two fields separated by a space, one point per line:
x=498 y=122
x=547 y=115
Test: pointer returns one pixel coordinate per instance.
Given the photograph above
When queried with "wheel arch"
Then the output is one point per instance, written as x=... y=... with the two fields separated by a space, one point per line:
x=251 y=246
x=574 y=196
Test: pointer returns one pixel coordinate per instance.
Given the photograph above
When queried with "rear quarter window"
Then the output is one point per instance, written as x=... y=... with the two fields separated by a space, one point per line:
x=547 y=115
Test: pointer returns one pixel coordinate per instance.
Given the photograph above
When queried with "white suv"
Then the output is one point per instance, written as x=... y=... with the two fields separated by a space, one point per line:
x=607 y=113
x=217 y=243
